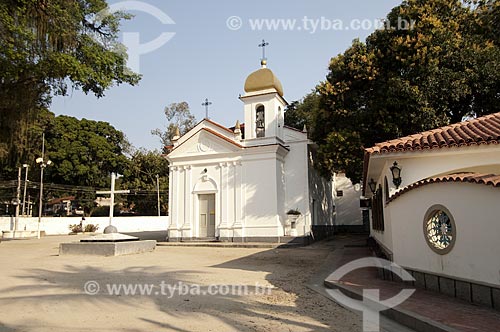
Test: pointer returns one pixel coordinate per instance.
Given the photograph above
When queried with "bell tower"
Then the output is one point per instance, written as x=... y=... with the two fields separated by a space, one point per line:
x=264 y=104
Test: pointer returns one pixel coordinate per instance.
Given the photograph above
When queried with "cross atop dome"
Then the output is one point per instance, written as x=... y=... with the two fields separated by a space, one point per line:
x=263 y=61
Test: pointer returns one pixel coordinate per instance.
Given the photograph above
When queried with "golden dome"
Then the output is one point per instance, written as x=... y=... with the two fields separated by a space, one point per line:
x=263 y=79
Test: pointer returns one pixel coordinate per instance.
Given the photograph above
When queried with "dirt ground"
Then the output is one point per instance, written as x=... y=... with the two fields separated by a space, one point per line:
x=41 y=291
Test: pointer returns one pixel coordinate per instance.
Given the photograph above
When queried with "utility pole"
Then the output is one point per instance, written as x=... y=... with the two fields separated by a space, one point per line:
x=158 y=191
x=29 y=211
x=18 y=199
x=25 y=185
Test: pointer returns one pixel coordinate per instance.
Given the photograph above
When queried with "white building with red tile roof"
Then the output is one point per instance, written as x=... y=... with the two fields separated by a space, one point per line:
x=441 y=218
x=238 y=184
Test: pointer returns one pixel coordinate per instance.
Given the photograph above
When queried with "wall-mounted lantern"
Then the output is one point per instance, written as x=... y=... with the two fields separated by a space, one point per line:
x=373 y=186
x=396 y=174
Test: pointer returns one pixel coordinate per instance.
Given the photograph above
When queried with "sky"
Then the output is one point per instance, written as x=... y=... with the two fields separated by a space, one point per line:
x=190 y=50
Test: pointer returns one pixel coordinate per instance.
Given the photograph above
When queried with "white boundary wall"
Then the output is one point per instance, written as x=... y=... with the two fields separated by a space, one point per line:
x=60 y=225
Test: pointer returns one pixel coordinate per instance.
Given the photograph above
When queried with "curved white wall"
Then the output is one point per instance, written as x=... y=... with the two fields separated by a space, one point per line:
x=476 y=211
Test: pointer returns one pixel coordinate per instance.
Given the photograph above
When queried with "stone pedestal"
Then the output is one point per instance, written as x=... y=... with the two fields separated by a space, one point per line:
x=106 y=248
x=109 y=244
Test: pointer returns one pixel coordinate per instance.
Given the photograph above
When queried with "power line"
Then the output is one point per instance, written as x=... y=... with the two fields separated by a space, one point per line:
x=10 y=184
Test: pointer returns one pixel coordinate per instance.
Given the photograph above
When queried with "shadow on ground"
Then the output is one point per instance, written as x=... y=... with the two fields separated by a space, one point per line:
x=159 y=236
x=291 y=306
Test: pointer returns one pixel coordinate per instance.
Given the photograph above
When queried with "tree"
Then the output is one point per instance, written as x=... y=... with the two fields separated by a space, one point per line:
x=84 y=152
x=140 y=177
x=179 y=117
x=45 y=46
x=405 y=81
x=301 y=113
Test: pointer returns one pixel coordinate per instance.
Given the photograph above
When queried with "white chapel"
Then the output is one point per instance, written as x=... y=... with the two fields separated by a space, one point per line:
x=252 y=182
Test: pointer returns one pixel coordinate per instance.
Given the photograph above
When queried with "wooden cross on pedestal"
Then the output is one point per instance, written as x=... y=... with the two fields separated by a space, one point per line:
x=206 y=104
x=112 y=193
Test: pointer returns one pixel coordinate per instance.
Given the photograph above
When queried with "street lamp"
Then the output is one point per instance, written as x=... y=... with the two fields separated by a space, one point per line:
x=43 y=163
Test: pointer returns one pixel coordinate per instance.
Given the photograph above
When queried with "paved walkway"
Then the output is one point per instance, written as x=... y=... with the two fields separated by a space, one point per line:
x=317 y=282
x=424 y=310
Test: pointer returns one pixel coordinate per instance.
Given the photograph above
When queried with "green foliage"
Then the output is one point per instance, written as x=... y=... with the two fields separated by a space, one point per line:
x=301 y=113
x=141 y=178
x=405 y=81
x=91 y=228
x=51 y=42
x=101 y=211
x=76 y=228
x=179 y=117
x=84 y=152
x=44 y=47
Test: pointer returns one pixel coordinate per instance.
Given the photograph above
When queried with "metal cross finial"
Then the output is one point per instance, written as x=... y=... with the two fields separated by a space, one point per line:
x=263 y=45
x=206 y=104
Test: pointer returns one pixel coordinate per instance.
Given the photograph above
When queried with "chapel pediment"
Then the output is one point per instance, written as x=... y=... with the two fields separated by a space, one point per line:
x=205 y=142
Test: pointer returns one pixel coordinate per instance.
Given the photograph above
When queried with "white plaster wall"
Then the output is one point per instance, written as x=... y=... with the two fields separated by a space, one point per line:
x=383 y=238
x=297 y=195
x=420 y=165
x=347 y=207
x=261 y=216
x=296 y=178
x=188 y=182
x=248 y=188
x=60 y=225
x=281 y=192
x=476 y=212
x=321 y=199
x=305 y=188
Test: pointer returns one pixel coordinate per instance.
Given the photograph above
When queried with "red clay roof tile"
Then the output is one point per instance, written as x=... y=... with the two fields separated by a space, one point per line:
x=483 y=130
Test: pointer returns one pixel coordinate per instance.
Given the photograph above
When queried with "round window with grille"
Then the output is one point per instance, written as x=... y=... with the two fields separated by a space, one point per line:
x=439 y=229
